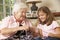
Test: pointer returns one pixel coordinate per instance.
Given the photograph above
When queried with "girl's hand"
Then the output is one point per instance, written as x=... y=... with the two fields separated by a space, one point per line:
x=40 y=32
x=51 y=35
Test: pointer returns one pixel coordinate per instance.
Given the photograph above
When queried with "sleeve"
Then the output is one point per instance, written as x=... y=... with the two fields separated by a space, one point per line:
x=4 y=23
x=55 y=24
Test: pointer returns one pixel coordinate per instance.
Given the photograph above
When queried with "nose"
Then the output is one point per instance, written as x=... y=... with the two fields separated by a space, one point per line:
x=23 y=14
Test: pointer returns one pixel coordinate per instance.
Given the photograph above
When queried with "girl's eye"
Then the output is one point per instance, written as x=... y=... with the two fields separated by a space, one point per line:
x=41 y=15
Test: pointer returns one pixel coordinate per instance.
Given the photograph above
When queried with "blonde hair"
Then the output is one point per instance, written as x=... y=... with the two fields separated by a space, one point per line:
x=18 y=6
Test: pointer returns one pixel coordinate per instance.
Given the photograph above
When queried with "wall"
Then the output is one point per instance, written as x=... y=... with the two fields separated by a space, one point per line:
x=54 y=6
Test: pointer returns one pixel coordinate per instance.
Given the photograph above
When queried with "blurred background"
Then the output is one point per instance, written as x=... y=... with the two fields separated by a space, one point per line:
x=6 y=7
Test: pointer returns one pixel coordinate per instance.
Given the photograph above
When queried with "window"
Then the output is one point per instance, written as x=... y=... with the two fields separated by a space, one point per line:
x=5 y=8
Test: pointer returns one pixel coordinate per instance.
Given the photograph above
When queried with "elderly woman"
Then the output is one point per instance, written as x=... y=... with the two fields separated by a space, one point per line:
x=11 y=24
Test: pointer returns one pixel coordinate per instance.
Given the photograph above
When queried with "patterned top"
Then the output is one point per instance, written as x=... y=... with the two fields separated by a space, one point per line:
x=10 y=22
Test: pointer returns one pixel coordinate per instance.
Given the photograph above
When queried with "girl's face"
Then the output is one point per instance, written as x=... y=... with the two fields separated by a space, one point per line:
x=20 y=15
x=42 y=16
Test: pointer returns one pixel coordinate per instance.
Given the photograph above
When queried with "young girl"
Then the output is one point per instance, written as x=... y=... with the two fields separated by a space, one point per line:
x=48 y=27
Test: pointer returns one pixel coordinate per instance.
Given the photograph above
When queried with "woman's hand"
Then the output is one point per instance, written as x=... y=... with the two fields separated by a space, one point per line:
x=23 y=28
x=34 y=31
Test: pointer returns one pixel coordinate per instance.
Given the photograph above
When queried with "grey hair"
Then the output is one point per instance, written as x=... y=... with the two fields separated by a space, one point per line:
x=18 y=6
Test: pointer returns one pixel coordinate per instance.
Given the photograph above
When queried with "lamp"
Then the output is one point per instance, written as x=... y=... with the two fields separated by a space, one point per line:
x=33 y=2
x=34 y=8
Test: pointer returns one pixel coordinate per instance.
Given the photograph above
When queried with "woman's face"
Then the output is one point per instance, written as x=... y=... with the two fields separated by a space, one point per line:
x=42 y=16
x=20 y=15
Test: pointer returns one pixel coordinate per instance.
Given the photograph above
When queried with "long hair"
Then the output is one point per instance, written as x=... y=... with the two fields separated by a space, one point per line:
x=50 y=16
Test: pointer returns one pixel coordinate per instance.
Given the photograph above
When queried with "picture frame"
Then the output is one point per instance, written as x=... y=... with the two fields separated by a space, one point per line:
x=31 y=15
